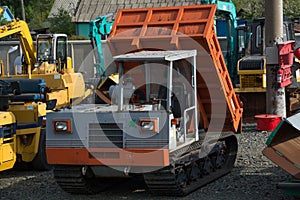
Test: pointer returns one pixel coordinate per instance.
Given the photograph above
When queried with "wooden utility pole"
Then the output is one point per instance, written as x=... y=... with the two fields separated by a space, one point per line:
x=23 y=10
x=274 y=33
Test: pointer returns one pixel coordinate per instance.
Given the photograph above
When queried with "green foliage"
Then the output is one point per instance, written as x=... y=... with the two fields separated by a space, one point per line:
x=250 y=8
x=36 y=12
x=14 y=7
x=2 y=21
x=78 y=37
x=291 y=8
x=256 y=8
x=61 y=23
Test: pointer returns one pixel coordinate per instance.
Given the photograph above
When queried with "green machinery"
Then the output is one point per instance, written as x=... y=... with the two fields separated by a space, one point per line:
x=228 y=10
x=99 y=30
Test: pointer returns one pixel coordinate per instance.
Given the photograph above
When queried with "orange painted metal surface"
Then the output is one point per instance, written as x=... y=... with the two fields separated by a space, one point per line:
x=184 y=28
x=108 y=156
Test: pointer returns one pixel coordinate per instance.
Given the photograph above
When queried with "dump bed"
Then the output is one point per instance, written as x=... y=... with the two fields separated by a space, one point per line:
x=184 y=28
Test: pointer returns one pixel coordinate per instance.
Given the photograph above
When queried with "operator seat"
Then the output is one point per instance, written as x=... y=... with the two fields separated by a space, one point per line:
x=178 y=99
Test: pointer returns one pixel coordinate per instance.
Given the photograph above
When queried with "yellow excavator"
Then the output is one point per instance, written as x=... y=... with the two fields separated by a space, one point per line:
x=45 y=81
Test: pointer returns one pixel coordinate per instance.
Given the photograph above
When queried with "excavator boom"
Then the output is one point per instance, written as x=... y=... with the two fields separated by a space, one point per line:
x=20 y=28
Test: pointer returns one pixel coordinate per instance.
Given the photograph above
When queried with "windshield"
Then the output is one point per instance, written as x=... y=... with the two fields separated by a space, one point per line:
x=61 y=49
x=140 y=83
x=154 y=86
x=44 y=49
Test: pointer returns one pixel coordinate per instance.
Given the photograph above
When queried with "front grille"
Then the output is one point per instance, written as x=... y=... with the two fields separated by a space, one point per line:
x=252 y=81
x=146 y=143
x=105 y=135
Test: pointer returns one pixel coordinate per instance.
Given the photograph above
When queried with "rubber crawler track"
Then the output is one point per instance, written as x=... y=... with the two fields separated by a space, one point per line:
x=165 y=181
x=71 y=180
x=161 y=182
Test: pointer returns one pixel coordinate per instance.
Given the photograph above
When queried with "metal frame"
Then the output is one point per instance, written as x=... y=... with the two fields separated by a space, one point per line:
x=171 y=57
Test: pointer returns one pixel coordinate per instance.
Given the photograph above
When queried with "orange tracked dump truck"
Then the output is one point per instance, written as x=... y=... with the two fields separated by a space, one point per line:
x=172 y=115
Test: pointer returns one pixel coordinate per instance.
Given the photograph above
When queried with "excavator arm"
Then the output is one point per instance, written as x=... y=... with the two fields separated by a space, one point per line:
x=99 y=30
x=20 y=28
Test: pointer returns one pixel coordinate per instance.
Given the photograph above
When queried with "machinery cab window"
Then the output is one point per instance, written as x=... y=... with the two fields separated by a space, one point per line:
x=157 y=86
x=242 y=40
x=44 y=47
x=258 y=38
x=61 y=51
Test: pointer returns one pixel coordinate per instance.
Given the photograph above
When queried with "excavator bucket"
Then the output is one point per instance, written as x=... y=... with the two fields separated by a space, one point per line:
x=184 y=28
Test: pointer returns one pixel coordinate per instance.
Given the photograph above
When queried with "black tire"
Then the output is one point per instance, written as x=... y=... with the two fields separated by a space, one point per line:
x=40 y=162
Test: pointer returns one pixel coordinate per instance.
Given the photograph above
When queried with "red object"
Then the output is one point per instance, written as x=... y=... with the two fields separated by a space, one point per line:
x=267 y=122
x=286 y=60
x=297 y=53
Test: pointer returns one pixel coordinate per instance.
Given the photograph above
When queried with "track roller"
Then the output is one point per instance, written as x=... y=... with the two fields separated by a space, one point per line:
x=186 y=175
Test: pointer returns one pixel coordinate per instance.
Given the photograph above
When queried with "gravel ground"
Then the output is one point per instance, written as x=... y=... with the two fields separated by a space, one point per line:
x=254 y=177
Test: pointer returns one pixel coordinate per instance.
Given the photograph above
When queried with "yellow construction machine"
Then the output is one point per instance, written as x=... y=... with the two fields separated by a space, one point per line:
x=45 y=81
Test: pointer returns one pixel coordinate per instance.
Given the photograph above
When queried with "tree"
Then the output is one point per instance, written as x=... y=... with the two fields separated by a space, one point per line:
x=61 y=23
x=251 y=9
x=291 y=8
x=36 y=12
x=256 y=8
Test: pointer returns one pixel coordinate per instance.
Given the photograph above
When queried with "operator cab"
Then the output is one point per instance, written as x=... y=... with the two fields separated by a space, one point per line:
x=250 y=36
x=158 y=84
x=52 y=48
x=148 y=85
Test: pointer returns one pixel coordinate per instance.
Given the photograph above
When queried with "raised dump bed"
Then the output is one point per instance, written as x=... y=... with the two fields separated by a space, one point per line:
x=184 y=28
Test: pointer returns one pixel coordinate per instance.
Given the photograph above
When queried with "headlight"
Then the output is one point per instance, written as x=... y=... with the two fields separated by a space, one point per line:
x=62 y=126
x=148 y=125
